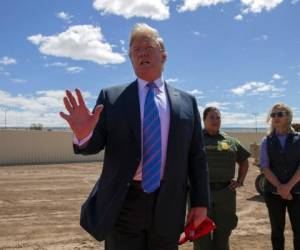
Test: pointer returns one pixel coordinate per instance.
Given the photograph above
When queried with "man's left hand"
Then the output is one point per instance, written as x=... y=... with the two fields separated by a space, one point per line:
x=197 y=215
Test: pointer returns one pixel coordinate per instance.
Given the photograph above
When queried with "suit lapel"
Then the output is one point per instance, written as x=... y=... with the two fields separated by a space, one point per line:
x=133 y=111
x=174 y=102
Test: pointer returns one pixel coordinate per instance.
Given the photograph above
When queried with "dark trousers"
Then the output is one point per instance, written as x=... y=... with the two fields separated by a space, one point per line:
x=134 y=229
x=277 y=208
x=223 y=212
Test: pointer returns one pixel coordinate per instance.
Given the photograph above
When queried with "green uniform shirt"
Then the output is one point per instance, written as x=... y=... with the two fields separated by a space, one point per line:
x=223 y=151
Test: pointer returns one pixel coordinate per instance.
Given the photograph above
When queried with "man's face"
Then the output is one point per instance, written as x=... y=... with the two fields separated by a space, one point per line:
x=147 y=58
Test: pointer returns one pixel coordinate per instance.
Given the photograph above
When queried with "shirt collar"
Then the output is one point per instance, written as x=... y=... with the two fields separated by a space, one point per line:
x=159 y=82
x=219 y=134
x=281 y=135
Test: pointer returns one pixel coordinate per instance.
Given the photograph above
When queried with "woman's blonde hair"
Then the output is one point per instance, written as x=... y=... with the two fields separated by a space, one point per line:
x=289 y=114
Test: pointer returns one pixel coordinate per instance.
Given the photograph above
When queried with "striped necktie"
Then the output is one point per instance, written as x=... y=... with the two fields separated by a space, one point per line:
x=152 y=152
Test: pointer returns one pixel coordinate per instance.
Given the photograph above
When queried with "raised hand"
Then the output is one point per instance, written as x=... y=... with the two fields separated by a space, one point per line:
x=80 y=119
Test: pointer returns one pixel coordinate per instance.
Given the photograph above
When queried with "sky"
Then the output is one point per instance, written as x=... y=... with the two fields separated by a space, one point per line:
x=241 y=56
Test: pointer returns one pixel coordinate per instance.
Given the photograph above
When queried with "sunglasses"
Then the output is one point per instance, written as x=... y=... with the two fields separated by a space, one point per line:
x=278 y=114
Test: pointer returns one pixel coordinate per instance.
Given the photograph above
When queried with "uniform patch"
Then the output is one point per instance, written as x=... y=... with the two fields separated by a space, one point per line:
x=224 y=145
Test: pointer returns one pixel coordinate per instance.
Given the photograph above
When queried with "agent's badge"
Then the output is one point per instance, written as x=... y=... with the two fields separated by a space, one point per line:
x=224 y=145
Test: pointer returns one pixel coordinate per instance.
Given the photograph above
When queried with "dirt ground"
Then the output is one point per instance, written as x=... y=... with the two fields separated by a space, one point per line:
x=39 y=209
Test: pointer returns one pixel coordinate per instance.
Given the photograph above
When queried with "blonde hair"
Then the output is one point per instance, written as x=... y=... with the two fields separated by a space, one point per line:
x=143 y=29
x=289 y=114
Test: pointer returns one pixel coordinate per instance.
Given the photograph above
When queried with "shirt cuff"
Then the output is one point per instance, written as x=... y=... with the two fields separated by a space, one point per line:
x=82 y=141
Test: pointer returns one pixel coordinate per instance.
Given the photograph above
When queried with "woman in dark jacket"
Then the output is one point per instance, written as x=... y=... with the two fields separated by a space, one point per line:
x=280 y=163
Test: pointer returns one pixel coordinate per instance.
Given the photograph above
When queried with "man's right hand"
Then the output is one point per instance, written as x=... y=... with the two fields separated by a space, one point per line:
x=80 y=119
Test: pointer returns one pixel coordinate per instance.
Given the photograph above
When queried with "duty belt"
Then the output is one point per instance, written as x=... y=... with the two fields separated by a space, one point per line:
x=218 y=185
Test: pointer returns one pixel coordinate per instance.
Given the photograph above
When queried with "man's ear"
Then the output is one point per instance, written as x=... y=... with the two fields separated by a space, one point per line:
x=129 y=55
x=164 y=56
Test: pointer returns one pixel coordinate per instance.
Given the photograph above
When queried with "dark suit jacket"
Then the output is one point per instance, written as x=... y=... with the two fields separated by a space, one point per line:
x=119 y=133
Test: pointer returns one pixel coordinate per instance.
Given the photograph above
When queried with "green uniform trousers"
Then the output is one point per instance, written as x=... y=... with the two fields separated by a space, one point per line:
x=223 y=213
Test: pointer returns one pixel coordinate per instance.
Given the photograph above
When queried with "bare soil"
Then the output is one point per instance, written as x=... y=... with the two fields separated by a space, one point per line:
x=40 y=205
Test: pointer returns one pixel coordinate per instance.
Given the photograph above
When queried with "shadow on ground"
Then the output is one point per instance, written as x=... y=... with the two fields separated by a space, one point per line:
x=258 y=198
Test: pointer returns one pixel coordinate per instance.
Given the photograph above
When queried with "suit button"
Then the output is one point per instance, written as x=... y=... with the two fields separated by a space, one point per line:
x=128 y=184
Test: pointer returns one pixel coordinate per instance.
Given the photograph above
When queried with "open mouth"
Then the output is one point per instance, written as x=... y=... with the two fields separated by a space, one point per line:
x=144 y=62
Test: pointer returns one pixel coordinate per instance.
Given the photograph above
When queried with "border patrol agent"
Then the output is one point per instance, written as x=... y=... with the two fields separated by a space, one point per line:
x=223 y=152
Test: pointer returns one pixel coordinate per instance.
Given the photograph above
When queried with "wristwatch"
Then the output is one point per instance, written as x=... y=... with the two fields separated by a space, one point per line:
x=241 y=183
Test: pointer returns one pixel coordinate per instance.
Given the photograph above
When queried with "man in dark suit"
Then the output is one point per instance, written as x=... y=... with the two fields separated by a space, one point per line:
x=151 y=133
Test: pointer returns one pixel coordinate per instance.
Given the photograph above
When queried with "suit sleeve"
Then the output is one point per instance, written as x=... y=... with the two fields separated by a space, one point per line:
x=98 y=139
x=198 y=170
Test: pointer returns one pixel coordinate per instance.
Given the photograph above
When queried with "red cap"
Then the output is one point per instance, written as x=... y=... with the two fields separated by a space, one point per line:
x=191 y=233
